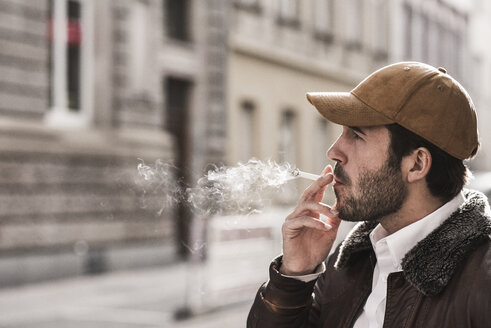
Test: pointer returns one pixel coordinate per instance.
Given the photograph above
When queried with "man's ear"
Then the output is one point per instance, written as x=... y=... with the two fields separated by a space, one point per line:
x=417 y=164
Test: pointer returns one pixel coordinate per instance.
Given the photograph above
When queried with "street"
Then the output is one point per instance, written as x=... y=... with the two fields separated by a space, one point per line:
x=144 y=298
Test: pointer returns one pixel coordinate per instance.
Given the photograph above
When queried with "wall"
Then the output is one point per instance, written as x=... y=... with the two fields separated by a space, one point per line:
x=23 y=58
x=70 y=198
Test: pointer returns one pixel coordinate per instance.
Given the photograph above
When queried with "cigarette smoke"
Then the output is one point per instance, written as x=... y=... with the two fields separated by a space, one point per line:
x=158 y=185
x=244 y=188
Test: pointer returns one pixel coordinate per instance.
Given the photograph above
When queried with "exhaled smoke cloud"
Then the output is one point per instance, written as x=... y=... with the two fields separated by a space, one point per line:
x=158 y=185
x=240 y=189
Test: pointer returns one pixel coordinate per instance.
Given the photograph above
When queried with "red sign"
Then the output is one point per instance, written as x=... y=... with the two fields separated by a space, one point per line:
x=74 y=32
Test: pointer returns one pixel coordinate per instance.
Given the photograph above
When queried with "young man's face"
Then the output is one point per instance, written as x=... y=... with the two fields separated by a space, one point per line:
x=368 y=180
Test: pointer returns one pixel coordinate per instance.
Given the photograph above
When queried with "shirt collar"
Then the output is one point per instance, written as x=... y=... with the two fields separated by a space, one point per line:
x=403 y=240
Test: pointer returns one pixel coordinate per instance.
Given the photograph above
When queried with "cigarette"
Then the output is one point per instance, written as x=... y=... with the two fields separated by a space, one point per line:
x=300 y=174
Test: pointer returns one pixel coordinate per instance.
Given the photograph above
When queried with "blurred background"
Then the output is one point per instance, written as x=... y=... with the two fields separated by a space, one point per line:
x=89 y=89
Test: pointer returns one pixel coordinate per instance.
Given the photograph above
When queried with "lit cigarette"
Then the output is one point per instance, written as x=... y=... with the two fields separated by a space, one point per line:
x=300 y=174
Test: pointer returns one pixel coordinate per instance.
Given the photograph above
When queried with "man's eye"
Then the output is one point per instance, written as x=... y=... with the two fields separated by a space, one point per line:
x=354 y=135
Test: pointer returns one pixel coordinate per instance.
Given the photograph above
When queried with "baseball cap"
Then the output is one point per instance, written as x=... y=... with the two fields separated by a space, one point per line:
x=419 y=97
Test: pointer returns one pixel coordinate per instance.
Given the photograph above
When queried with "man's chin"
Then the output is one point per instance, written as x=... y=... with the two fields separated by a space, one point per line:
x=346 y=215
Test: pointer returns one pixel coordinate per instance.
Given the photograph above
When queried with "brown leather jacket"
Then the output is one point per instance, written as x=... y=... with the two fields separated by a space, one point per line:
x=445 y=282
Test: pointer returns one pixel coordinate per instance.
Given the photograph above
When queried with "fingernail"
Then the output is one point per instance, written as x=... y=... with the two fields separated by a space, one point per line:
x=327 y=226
x=333 y=211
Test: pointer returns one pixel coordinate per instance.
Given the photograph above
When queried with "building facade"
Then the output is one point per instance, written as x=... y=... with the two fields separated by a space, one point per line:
x=88 y=90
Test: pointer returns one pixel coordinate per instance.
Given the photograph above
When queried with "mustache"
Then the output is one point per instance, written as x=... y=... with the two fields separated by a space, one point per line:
x=341 y=175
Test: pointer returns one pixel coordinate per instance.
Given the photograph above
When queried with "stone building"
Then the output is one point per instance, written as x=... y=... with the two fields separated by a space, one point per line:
x=88 y=89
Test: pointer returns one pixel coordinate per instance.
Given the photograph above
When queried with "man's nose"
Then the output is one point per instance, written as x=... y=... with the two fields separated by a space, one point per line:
x=335 y=153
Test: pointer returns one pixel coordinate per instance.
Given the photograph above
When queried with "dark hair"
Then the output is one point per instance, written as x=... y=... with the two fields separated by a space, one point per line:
x=447 y=175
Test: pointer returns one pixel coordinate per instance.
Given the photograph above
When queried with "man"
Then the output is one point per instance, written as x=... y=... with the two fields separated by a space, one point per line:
x=420 y=256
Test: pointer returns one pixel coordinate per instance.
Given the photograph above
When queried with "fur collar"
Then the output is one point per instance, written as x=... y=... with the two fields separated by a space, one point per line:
x=428 y=266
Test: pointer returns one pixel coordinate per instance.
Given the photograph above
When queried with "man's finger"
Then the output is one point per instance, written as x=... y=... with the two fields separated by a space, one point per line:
x=334 y=221
x=318 y=186
x=303 y=222
x=315 y=208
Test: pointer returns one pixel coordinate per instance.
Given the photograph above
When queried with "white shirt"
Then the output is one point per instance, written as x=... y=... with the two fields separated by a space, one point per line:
x=390 y=250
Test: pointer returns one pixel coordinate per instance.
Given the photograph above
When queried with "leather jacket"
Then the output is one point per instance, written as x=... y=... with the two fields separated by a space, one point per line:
x=445 y=282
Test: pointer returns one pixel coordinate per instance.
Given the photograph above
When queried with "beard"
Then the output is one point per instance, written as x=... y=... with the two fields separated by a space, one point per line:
x=380 y=193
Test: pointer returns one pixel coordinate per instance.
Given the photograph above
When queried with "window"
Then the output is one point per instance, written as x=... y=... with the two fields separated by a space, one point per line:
x=476 y=77
x=380 y=26
x=247 y=2
x=177 y=95
x=418 y=35
x=459 y=55
x=324 y=19
x=408 y=23
x=425 y=39
x=247 y=136
x=447 y=50
x=177 y=14
x=322 y=145
x=70 y=62
x=250 y=5
x=288 y=151
x=323 y=15
x=288 y=12
x=354 y=20
x=73 y=54
x=432 y=35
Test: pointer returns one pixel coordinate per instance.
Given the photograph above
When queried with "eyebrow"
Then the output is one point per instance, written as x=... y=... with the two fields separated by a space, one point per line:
x=357 y=129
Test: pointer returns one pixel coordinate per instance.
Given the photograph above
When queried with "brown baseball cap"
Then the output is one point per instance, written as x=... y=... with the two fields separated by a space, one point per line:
x=417 y=96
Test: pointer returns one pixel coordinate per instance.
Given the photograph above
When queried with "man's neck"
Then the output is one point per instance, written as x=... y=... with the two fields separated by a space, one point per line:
x=416 y=207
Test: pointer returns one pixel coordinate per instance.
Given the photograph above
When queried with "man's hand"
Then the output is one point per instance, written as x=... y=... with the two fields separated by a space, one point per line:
x=306 y=239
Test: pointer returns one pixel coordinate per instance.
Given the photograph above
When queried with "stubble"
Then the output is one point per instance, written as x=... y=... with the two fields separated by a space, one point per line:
x=380 y=193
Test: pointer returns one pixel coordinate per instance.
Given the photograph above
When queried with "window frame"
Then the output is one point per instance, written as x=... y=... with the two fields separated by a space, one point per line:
x=59 y=114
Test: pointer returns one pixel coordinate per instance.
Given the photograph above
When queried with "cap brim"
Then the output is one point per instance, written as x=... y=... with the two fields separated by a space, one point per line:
x=346 y=109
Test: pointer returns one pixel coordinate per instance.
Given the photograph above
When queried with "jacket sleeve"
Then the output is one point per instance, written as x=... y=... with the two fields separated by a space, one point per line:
x=286 y=302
